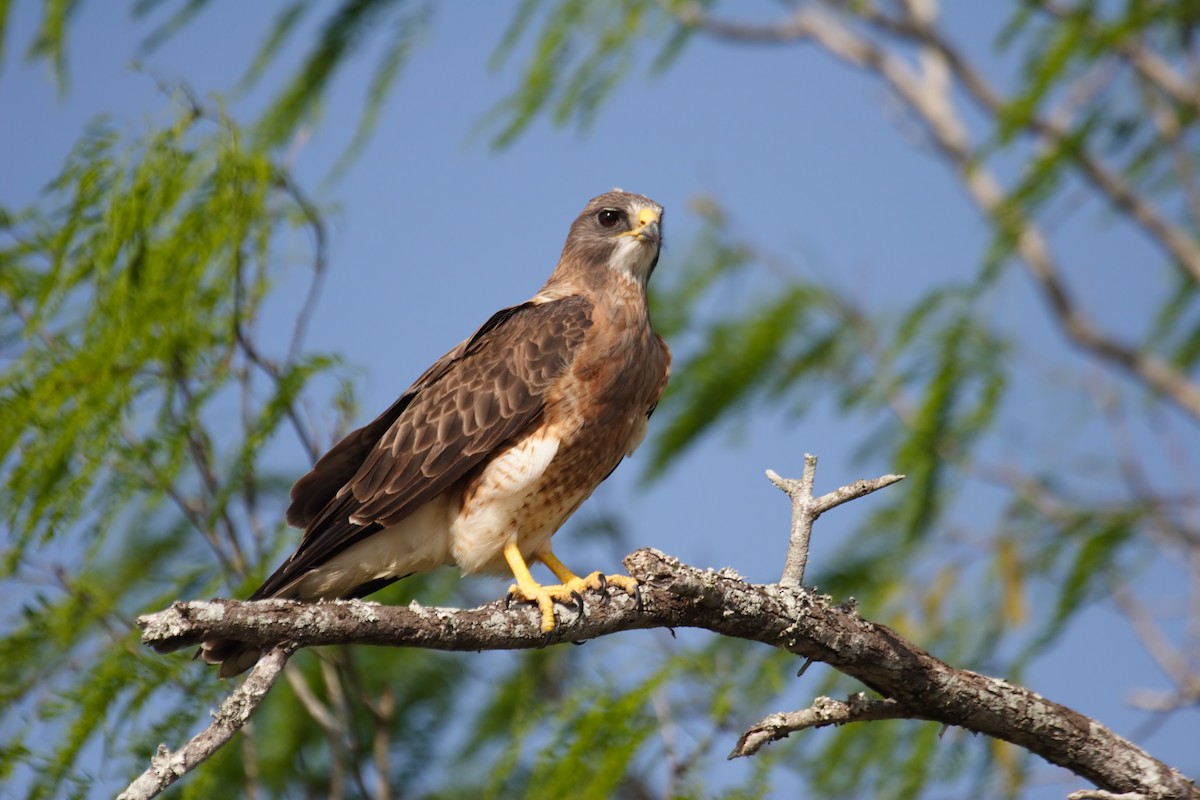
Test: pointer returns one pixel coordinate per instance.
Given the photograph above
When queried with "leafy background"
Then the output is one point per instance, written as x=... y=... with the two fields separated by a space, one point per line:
x=182 y=179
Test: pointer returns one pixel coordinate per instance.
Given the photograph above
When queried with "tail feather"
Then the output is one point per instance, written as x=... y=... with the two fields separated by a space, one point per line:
x=236 y=657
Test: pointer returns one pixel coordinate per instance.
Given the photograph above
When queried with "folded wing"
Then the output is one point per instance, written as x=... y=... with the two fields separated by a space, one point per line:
x=474 y=401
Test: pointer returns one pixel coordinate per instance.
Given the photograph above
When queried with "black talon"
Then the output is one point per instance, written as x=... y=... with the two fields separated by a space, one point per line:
x=604 y=598
x=578 y=602
x=637 y=592
x=507 y=600
x=545 y=639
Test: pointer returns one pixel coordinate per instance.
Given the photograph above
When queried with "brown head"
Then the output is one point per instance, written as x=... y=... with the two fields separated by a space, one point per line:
x=619 y=234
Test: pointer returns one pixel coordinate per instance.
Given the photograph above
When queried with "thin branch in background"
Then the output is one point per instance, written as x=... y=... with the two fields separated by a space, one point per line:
x=341 y=740
x=1149 y=65
x=1192 y=631
x=316 y=224
x=668 y=732
x=312 y=704
x=1169 y=659
x=933 y=103
x=200 y=448
x=249 y=761
x=1176 y=241
x=245 y=380
x=383 y=714
x=1173 y=134
x=929 y=96
x=1170 y=531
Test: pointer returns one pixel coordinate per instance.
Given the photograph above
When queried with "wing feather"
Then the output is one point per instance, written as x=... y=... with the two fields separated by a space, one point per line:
x=475 y=399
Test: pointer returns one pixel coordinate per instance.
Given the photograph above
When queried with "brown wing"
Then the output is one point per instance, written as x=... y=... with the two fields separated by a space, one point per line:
x=480 y=395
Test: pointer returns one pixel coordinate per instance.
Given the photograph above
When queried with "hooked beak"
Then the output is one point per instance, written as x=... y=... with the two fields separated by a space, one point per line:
x=647 y=228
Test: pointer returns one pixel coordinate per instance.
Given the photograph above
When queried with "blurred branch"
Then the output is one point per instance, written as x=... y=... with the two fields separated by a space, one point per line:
x=928 y=93
x=1149 y=65
x=1176 y=241
x=1170 y=660
x=678 y=595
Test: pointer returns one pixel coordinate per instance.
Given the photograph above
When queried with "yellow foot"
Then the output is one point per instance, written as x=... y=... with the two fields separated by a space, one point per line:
x=600 y=582
x=570 y=592
x=545 y=597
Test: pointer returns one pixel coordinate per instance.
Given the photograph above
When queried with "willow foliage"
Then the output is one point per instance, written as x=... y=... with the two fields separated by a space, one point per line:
x=137 y=405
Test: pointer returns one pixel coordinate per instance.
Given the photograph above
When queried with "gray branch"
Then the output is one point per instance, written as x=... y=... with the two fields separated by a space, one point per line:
x=678 y=595
x=806 y=509
x=166 y=766
x=824 y=711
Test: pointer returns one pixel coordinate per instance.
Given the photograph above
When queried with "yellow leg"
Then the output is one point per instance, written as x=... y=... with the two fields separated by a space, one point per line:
x=559 y=569
x=530 y=590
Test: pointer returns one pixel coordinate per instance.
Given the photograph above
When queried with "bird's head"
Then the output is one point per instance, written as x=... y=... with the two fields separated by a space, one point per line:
x=618 y=231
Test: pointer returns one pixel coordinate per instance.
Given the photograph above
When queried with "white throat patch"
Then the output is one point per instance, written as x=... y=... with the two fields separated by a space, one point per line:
x=633 y=258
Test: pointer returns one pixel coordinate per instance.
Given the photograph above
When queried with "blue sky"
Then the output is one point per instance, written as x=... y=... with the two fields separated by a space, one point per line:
x=444 y=230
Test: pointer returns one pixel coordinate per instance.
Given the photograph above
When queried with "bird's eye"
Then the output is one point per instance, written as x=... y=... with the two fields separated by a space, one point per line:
x=609 y=217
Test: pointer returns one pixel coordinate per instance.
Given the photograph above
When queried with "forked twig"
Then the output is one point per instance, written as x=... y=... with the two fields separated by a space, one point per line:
x=806 y=509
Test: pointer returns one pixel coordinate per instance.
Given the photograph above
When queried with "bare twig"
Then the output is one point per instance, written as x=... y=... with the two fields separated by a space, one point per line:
x=166 y=767
x=1155 y=642
x=806 y=509
x=824 y=711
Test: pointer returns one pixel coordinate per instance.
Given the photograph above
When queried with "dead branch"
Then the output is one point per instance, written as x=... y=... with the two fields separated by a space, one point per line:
x=912 y=683
x=806 y=509
x=678 y=595
x=166 y=767
x=824 y=711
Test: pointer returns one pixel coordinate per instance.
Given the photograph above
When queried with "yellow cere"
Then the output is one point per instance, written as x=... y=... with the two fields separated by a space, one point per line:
x=646 y=216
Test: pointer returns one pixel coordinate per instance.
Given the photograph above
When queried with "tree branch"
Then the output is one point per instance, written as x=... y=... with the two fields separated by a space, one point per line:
x=929 y=95
x=808 y=22
x=806 y=509
x=824 y=711
x=678 y=595
x=167 y=767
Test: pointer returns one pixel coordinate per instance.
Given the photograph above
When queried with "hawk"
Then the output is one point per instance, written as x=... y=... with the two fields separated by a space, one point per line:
x=484 y=457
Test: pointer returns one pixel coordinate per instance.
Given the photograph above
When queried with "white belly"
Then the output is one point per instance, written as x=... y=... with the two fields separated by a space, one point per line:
x=504 y=505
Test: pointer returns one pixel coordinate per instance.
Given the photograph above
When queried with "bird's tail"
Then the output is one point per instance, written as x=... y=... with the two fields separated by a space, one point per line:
x=234 y=657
